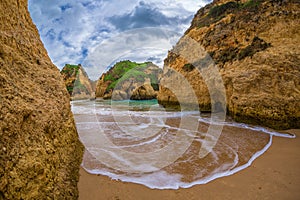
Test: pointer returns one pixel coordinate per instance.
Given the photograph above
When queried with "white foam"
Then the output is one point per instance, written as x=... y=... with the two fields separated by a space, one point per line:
x=156 y=180
x=246 y=126
x=163 y=180
x=229 y=172
x=160 y=179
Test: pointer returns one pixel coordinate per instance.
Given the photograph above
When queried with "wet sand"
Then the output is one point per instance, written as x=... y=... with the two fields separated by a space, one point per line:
x=274 y=175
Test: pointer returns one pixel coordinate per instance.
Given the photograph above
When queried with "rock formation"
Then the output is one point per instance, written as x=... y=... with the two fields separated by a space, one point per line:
x=77 y=82
x=40 y=153
x=129 y=80
x=144 y=92
x=255 y=45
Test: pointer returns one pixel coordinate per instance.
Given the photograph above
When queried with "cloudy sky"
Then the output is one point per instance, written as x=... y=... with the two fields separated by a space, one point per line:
x=97 y=33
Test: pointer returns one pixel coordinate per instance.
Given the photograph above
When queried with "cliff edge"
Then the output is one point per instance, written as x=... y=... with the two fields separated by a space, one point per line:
x=129 y=80
x=77 y=82
x=40 y=153
x=255 y=45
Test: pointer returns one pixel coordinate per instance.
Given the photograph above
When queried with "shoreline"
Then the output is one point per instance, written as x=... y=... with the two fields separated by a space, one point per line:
x=273 y=175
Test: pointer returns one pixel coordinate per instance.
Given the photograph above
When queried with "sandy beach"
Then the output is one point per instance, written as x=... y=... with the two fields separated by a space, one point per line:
x=274 y=175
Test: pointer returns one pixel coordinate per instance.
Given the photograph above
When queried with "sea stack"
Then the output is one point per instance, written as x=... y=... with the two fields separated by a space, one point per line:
x=255 y=45
x=129 y=80
x=39 y=147
x=77 y=82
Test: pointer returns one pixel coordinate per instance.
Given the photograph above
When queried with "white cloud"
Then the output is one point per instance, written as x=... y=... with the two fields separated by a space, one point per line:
x=137 y=44
x=73 y=29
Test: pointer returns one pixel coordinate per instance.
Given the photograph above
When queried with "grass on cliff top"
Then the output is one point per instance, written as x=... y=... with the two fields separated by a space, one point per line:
x=71 y=71
x=69 y=67
x=221 y=10
x=126 y=70
x=218 y=12
x=121 y=68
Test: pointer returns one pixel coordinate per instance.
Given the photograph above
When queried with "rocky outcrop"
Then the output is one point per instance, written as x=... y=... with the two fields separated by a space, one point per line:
x=129 y=80
x=255 y=45
x=40 y=153
x=144 y=92
x=102 y=89
x=77 y=82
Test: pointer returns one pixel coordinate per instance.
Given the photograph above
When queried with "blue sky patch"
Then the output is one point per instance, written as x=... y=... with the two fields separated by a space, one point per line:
x=72 y=30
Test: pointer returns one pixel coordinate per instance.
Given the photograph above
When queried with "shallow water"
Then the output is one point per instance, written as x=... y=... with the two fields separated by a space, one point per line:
x=140 y=142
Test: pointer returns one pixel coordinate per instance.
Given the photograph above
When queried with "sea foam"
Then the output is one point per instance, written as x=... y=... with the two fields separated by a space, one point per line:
x=238 y=146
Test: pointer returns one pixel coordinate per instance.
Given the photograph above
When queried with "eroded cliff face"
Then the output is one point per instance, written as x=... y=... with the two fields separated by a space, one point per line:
x=40 y=152
x=255 y=45
x=77 y=82
x=129 y=80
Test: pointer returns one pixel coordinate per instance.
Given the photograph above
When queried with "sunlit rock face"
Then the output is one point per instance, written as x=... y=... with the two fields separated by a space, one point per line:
x=255 y=45
x=77 y=82
x=40 y=152
x=129 y=80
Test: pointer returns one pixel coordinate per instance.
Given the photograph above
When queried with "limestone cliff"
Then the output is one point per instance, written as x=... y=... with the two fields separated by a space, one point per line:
x=255 y=45
x=77 y=82
x=40 y=153
x=144 y=92
x=129 y=80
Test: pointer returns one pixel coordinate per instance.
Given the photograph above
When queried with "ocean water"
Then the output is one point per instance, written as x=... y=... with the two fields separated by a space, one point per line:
x=141 y=142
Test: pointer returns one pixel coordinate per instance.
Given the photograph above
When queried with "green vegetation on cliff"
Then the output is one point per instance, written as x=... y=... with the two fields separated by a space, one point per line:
x=129 y=80
x=125 y=70
x=67 y=72
x=70 y=73
x=69 y=69
x=233 y=15
x=218 y=12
